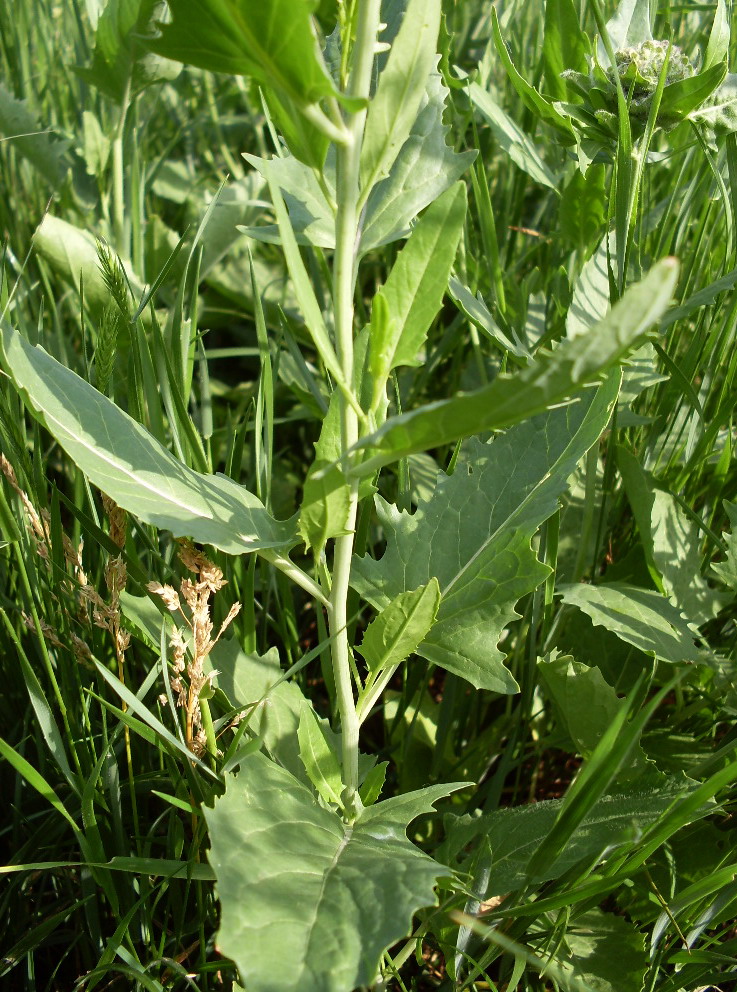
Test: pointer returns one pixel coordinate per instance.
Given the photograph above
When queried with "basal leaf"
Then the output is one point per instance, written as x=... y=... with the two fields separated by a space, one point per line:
x=414 y=290
x=607 y=953
x=273 y=42
x=642 y=617
x=585 y=705
x=474 y=534
x=425 y=167
x=552 y=378
x=400 y=89
x=516 y=833
x=671 y=541
x=72 y=252
x=309 y=902
x=123 y=460
x=400 y=627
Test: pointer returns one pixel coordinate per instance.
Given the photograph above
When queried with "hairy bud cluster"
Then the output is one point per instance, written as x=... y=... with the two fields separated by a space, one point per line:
x=642 y=65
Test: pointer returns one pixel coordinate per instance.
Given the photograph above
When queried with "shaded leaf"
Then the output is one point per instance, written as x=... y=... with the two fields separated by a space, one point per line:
x=512 y=138
x=46 y=153
x=641 y=617
x=516 y=833
x=727 y=569
x=606 y=952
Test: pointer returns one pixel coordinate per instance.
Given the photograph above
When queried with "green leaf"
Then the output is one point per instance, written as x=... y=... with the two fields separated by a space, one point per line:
x=121 y=60
x=550 y=379
x=606 y=952
x=704 y=297
x=717 y=49
x=641 y=617
x=400 y=627
x=72 y=252
x=320 y=761
x=727 y=569
x=671 y=541
x=308 y=901
x=474 y=535
x=478 y=313
x=585 y=704
x=583 y=205
x=274 y=705
x=400 y=89
x=273 y=42
x=629 y=26
x=590 y=302
x=512 y=138
x=425 y=167
x=46 y=153
x=565 y=46
x=326 y=499
x=531 y=98
x=414 y=291
x=516 y=833
x=123 y=460
x=310 y=214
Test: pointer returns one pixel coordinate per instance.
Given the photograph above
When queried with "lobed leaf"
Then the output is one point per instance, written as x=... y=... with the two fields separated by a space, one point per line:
x=641 y=617
x=308 y=901
x=473 y=534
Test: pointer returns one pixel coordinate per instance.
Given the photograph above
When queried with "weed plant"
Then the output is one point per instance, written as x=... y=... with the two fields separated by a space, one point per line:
x=368 y=500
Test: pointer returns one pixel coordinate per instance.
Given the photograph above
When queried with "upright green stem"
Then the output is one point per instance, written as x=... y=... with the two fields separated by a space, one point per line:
x=347 y=223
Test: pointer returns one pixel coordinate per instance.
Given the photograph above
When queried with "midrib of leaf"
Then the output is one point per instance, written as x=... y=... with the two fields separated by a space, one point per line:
x=139 y=482
x=271 y=67
x=407 y=86
x=347 y=834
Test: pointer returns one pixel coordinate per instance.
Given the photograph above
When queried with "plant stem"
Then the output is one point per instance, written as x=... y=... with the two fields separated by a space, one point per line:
x=347 y=226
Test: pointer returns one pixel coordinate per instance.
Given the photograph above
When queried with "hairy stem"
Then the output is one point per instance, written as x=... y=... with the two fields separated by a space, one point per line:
x=347 y=226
